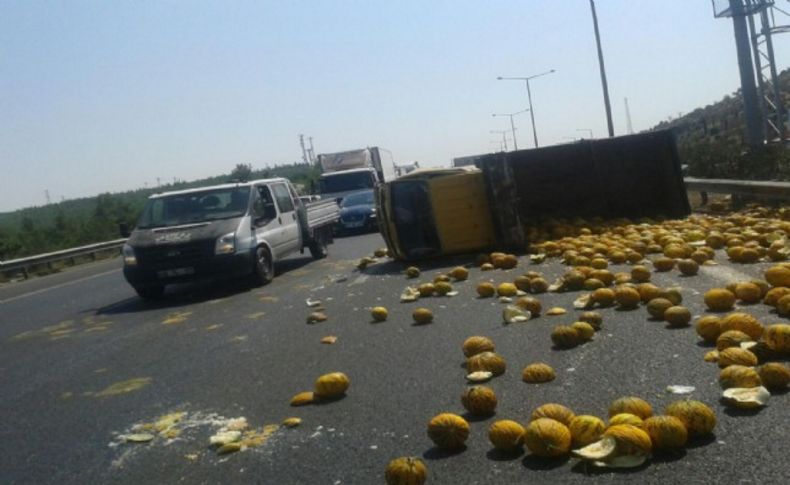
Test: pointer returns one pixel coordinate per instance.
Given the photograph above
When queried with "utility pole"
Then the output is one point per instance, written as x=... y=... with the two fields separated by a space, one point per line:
x=751 y=105
x=504 y=137
x=311 y=151
x=608 y=106
x=46 y=195
x=629 y=126
x=512 y=124
x=304 y=150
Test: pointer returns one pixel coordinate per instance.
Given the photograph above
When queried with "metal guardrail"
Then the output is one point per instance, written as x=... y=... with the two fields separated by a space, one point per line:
x=23 y=265
x=769 y=190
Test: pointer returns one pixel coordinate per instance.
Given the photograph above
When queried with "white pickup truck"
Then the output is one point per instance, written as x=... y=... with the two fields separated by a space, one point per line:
x=224 y=230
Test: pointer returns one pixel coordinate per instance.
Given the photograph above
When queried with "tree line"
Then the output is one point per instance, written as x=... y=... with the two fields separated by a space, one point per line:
x=78 y=222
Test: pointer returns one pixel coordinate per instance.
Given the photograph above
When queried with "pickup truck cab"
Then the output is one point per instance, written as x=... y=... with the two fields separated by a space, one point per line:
x=229 y=230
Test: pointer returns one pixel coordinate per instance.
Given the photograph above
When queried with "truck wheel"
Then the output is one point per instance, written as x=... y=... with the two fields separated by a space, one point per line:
x=263 y=273
x=150 y=292
x=318 y=247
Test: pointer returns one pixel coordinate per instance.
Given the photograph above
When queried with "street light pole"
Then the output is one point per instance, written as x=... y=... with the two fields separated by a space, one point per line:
x=608 y=106
x=504 y=137
x=512 y=124
x=529 y=98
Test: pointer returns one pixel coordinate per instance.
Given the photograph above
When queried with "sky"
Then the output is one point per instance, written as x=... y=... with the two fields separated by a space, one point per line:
x=99 y=96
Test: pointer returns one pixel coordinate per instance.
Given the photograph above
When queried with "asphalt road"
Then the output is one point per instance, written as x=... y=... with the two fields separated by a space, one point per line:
x=225 y=350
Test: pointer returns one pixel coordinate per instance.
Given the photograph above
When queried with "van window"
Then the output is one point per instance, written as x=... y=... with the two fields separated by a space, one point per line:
x=262 y=198
x=283 y=198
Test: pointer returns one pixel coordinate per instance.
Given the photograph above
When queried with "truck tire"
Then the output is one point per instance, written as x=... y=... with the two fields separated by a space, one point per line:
x=150 y=292
x=318 y=247
x=263 y=271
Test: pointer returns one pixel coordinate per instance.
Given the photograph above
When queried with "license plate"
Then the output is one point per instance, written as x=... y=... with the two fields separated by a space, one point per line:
x=170 y=273
x=355 y=224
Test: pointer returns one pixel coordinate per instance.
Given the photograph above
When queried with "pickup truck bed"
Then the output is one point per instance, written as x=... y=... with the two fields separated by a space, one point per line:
x=321 y=213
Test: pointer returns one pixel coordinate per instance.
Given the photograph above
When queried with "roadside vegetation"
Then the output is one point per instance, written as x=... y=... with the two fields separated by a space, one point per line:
x=77 y=222
x=710 y=141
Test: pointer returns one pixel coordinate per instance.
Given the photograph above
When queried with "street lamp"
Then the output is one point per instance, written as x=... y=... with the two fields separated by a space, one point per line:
x=504 y=136
x=604 y=83
x=529 y=96
x=588 y=131
x=512 y=125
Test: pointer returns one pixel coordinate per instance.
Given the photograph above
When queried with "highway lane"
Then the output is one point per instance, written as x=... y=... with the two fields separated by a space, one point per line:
x=239 y=351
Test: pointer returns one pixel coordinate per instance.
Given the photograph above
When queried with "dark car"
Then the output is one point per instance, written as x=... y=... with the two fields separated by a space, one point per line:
x=357 y=212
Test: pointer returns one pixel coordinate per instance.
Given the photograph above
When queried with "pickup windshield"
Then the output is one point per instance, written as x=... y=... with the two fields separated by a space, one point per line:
x=343 y=182
x=203 y=206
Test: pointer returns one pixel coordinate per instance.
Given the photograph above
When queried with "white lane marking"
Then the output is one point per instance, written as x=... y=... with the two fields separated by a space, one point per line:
x=725 y=274
x=61 y=285
x=361 y=279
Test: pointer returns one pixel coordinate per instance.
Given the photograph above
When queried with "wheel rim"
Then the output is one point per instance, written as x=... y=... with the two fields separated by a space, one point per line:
x=263 y=264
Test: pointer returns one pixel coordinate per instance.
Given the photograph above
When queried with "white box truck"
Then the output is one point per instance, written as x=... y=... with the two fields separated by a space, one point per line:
x=352 y=171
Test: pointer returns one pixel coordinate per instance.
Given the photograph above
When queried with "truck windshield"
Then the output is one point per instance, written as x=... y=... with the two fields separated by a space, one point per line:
x=208 y=205
x=343 y=182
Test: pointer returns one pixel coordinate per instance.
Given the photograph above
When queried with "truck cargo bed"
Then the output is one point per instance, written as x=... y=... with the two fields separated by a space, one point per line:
x=322 y=213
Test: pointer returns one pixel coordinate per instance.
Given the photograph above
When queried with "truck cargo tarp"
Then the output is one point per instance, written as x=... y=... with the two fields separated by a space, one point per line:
x=334 y=162
x=630 y=176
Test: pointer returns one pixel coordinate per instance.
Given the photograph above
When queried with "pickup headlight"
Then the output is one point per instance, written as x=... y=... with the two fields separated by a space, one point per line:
x=129 y=259
x=226 y=244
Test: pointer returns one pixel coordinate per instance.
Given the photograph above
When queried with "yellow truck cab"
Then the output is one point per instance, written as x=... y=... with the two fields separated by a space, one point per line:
x=420 y=213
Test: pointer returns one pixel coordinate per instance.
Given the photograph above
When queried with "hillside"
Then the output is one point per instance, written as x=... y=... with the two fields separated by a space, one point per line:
x=710 y=141
x=76 y=222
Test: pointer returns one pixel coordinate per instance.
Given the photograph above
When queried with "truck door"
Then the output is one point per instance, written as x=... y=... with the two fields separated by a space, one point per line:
x=266 y=221
x=289 y=223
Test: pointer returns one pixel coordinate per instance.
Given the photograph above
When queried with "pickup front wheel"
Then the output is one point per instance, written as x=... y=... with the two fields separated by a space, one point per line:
x=263 y=273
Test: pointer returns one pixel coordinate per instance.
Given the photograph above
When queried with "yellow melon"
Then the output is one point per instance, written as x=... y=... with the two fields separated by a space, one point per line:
x=666 y=432
x=422 y=316
x=743 y=322
x=506 y=435
x=406 y=471
x=538 y=373
x=697 y=416
x=739 y=376
x=331 y=385
x=448 y=431
x=774 y=375
x=709 y=328
x=632 y=405
x=547 y=438
x=476 y=345
x=778 y=276
x=736 y=356
x=778 y=337
x=379 y=313
x=486 y=289
x=486 y=361
x=554 y=411
x=719 y=299
x=625 y=418
x=586 y=429
x=479 y=400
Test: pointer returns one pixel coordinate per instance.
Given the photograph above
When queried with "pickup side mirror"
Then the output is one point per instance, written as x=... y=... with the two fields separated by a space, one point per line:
x=123 y=228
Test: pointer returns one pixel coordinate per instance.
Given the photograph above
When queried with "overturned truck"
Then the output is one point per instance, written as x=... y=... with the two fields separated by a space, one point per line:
x=430 y=213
